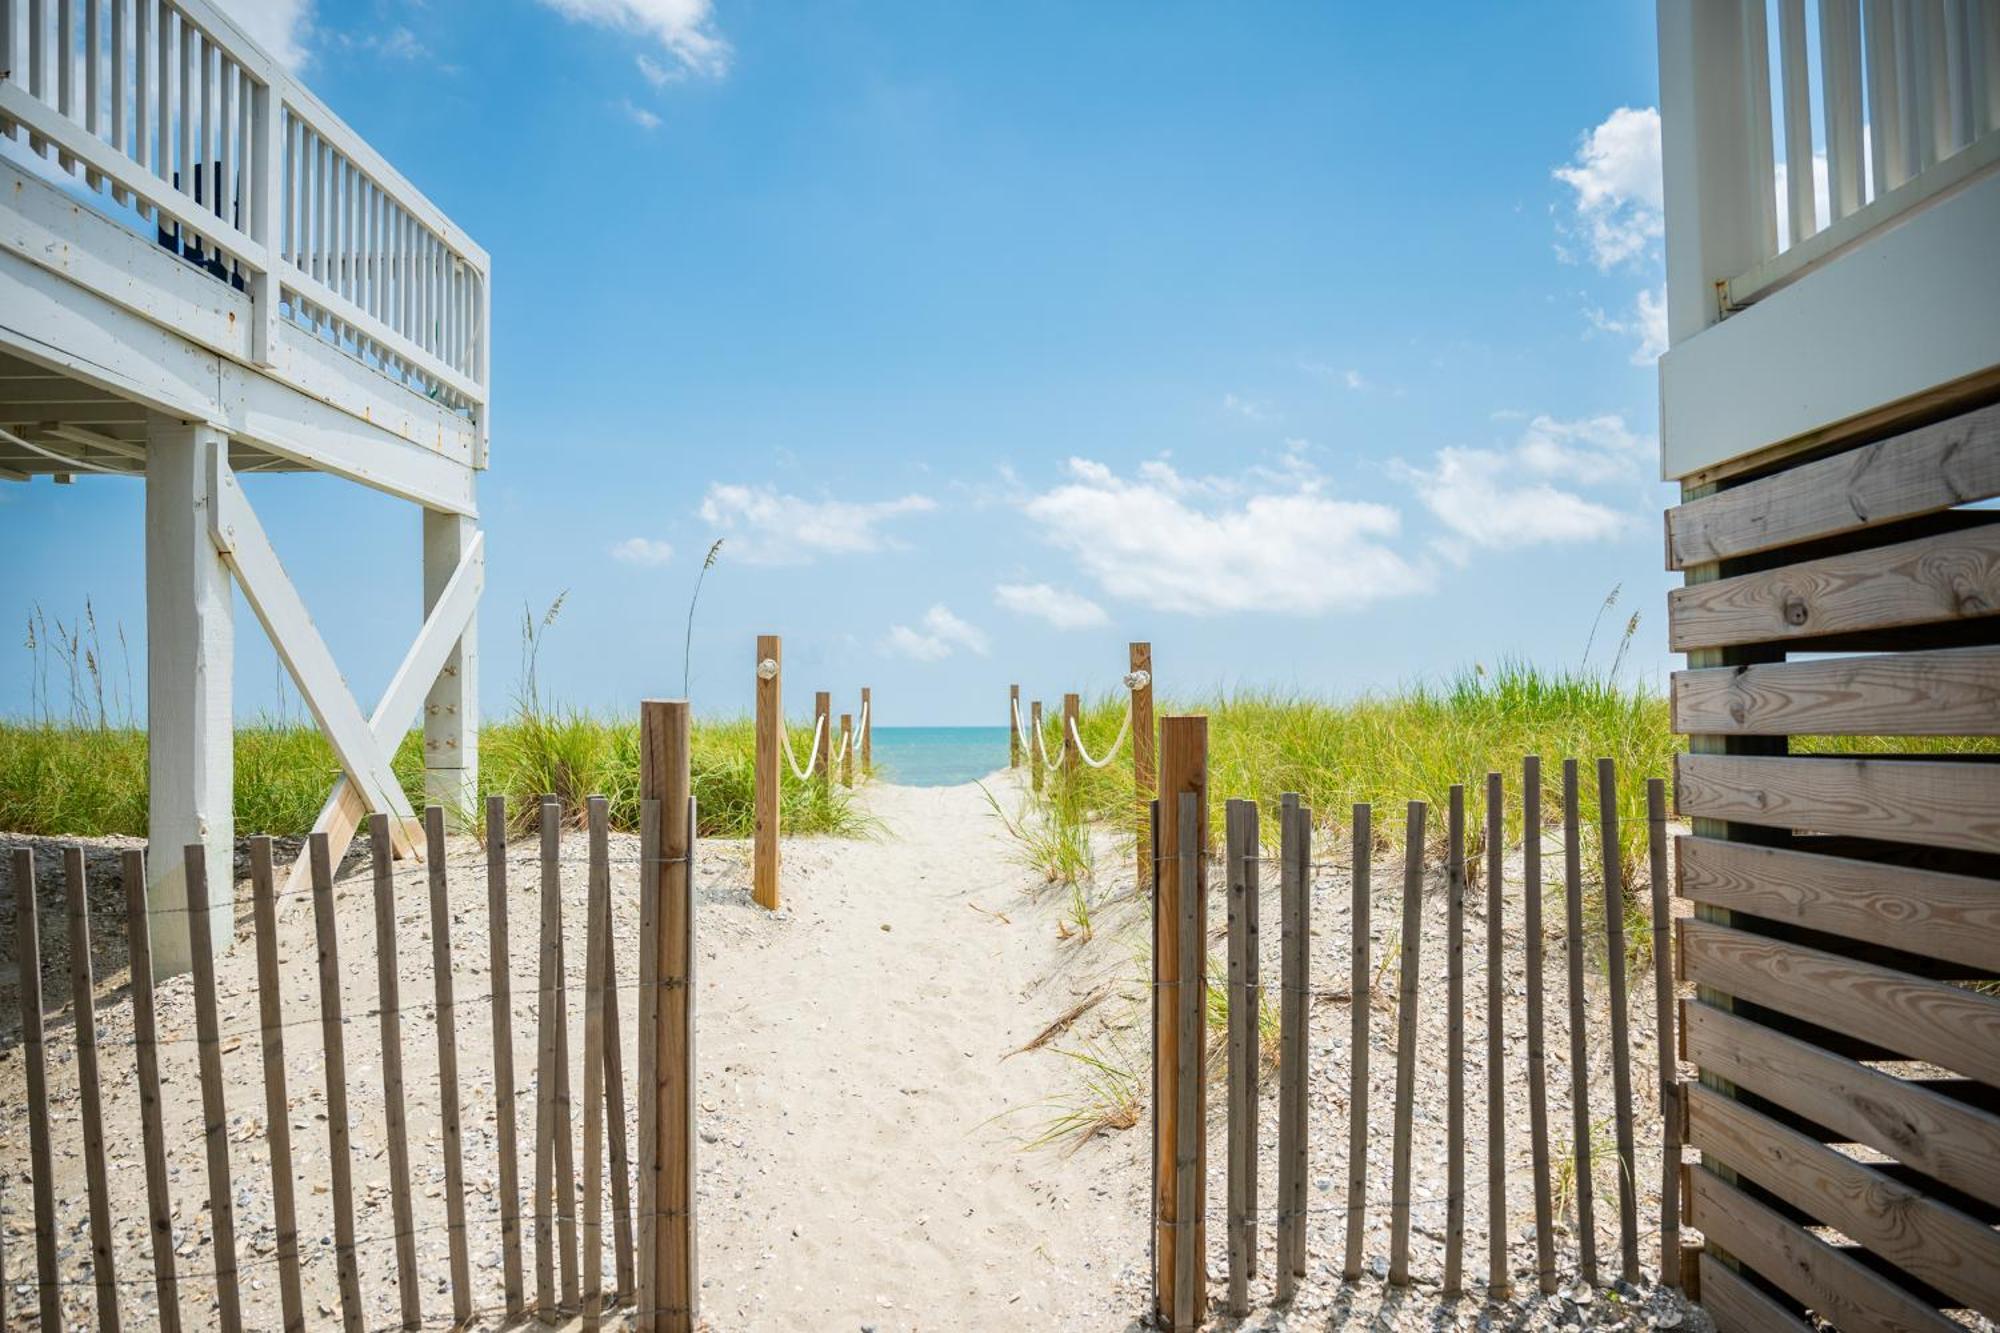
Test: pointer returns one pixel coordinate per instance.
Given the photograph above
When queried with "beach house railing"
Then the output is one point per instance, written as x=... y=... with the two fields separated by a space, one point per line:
x=171 y=120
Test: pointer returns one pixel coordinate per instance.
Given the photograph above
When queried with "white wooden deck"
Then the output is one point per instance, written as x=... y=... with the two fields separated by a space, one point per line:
x=205 y=272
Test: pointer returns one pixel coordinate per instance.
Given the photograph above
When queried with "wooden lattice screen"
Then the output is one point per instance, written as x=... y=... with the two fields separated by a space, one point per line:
x=1842 y=624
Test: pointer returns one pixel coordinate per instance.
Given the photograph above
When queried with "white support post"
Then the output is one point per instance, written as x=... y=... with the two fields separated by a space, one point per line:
x=190 y=661
x=266 y=171
x=451 y=709
x=1719 y=196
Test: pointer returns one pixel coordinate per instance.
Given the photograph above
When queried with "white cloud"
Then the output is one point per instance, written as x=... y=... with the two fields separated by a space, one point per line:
x=1356 y=381
x=655 y=73
x=638 y=115
x=943 y=634
x=1247 y=408
x=1059 y=606
x=766 y=527
x=645 y=551
x=1268 y=542
x=1616 y=177
x=281 y=27
x=1528 y=494
x=1646 y=325
x=685 y=29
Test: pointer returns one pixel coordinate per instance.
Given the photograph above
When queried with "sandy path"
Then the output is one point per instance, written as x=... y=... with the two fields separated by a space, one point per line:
x=853 y=1067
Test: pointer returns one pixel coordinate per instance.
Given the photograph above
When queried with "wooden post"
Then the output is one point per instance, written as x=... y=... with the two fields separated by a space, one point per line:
x=90 y=1092
x=500 y=978
x=664 y=776
x=1406 y=1044
x=1014 y=729
x=447 y=1044
x=1357 y=1041
x=277 y=1101
x=159 y=1204
x=1498 y=1284
x=214 y=1094
x=28 y=963
x=867 y=732
x=1579 y=1050
x=393 y=1113
x=1145 y=769
x=1180 y=1290
x=1072 y=754
x=614 y=1111
x=548 y=1025
x=1240 y=858
x=1621 y=1040
x=333 y=1039
x=1299 y=922
x=1291 y=1071
x=1454 y=961
x=1035 y=745
x=1538 y=1077
x=822 y=764
x=770 y=773
x=646 y=1086
x=847 y=749
x=597 y=915
x=1663 y=1037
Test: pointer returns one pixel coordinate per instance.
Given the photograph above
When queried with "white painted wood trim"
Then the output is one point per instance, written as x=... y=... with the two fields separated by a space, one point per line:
x=1913 y=307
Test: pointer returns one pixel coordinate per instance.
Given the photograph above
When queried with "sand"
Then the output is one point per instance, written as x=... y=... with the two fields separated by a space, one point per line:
x=864 y=1118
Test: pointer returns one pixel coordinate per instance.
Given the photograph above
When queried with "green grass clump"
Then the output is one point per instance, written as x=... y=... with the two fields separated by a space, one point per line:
x=63 y=779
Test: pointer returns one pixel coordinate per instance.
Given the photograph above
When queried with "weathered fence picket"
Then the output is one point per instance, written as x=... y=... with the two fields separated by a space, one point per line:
x=1406 y=1044
x=1621 y=1039
x=394 y=1102
x=1579 y=1053
x=1538 y=1068
x=159 y=1208
x=1359 y=980
x=214 y=1094
x=1454 y=1059
x=277 y=1101
x=500 y=978
x=83 y=1007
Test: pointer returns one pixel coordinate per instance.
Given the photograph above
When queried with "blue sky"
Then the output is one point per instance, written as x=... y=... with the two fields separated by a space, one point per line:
x=1311 y=342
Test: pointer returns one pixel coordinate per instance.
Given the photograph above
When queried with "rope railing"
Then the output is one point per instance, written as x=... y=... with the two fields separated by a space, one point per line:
x=812 y=760
x=1117 y=744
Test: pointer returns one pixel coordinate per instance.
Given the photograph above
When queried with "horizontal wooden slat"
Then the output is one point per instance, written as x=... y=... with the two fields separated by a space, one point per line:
x=1942 y=803
x=1951 y=576
x=1951 y=917
x=1934 y=1243
x=1832 y=1285
x=1955 y=1143
x=1738 y=1307
x=1918 y=472
x=1950 y=692
x=1923 y=1020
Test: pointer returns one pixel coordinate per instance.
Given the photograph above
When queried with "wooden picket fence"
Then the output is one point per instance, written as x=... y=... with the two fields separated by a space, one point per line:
x=1180 y=1211
x=654 y=1281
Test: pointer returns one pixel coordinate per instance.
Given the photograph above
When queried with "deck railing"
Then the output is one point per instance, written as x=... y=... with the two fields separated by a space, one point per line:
x=175 y=121
x=1907 y=94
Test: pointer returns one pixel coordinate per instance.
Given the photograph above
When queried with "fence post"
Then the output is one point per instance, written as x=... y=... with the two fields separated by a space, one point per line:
x=1240 y=860
x=1035 y=745
x=1407 y=991
x=1454 y=970
x=1145 y=761
x=822 y=764
x=867 y=732
x=847 y=749
x=664 y=777
x=1072 y=725
x=1179 y=960
x=1014 y=734
x=769 y=776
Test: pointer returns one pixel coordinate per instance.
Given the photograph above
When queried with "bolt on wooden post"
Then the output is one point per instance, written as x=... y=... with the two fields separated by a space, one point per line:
x=769 y=774
x=667 y=1072
x=1145 y=761
x=1180 y=1119
x=1013 y=726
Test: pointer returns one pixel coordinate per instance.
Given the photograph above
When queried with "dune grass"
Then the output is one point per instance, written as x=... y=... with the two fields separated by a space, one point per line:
x=61 y=779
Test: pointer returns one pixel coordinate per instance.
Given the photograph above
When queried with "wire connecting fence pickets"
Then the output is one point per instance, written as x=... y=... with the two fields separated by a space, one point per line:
x=421 y=1140
x=1433 y=1048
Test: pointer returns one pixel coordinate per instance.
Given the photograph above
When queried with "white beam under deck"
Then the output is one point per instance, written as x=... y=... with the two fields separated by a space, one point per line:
x=190 y=665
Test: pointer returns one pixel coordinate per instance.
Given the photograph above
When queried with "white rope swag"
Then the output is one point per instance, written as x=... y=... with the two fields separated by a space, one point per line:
x=1124 y=730
x=812 y=760
x=1038 y=751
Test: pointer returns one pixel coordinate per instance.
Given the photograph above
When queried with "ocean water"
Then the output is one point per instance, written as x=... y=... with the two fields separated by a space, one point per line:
x=938 y=756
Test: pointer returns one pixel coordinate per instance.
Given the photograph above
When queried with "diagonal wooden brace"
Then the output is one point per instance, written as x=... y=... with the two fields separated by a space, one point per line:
x=397 y=711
